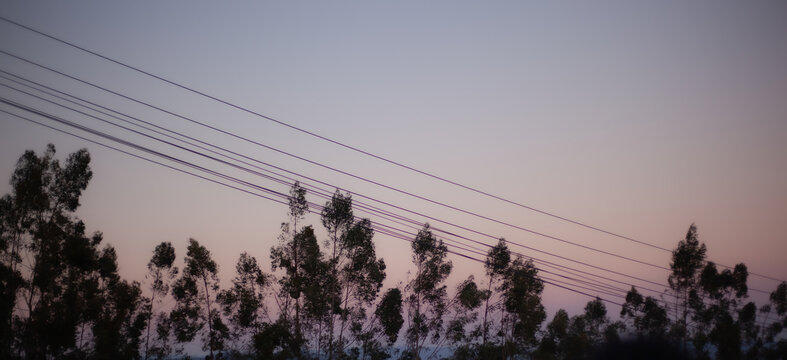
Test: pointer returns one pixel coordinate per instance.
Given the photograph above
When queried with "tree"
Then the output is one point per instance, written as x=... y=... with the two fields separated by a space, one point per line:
x=775 y=345
x=195 y=295
x=687 y=259
x=524 y=312
x=376 y=336
x=552 y=345
x=244 y=303
x=426 y=302
x=290 y=254
x=647 y=317
x=48 y=263
x=462 y=311
x=62 y=296
x=389 y=311
x=307 y=280
x=496 y=265
x=122 y=313
x=337 y=218
x=160 y=273
x=714 y=303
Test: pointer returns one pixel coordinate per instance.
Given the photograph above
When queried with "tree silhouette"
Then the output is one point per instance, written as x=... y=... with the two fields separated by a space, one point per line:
x=61 y=295
x=337 y=218
x=195 y=295
x=687 y=260
x=496 y=265
x=427 y=296
x=244 y=303
x=524 y=312
x=554 y=344
x=291 y=253
x=646 y=316
x=161 y=273
x=306 y=280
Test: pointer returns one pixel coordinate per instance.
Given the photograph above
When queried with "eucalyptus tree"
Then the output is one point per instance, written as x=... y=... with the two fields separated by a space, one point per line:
x=553 y=344
x=355 y=278
x=524 y=312
x=305 y=284
x=195 y=294
x=718 y=311
x=244 y=303
x=388 y=315
x=646 y=316
x=584 y=333
x=161 y=273
x=496 y=265
x=289 y=255
x=337 y=218
x=426 y=292
x=121 y=314
x=462 y=313
x=360 y=280
x=62 y=296
x=687 y=261
x=775 y=344
x=45 y=255
x=597 y=321
x=374 y=336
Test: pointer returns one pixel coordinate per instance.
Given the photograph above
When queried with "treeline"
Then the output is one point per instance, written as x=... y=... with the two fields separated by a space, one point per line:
x=61 y=295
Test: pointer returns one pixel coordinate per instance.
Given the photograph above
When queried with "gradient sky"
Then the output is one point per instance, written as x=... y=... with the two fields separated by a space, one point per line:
x=636 y=118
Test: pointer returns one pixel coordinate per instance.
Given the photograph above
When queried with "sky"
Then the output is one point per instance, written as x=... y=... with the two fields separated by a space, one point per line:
x=637 y=118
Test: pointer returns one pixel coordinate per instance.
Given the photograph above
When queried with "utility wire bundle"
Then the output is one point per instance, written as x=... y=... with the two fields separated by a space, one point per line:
x=388 y=218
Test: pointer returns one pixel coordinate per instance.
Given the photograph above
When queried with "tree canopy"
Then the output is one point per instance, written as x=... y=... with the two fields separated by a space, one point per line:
x=62 y=294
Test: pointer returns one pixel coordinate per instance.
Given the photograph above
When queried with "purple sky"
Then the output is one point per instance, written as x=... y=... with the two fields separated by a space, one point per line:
x=636 y=118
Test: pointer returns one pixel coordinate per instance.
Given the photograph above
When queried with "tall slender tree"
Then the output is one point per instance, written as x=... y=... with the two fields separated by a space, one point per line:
x=524 y=312
x=244 y=303
x=337 y=218
x=121 y=314
x=427 y=295
x=496 y=265
x=305 y=283
x=161 y=273
x=687 y=260
x=195 y=295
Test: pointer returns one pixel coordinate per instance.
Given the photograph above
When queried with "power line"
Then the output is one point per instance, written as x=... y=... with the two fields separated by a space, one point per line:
x=344 y=145
x=374 y=210
x=553 y=282
x=51 y=117
x=346 y=173
x=256 y=173
x=321 y=137
x=562 y=266
x=387 y=231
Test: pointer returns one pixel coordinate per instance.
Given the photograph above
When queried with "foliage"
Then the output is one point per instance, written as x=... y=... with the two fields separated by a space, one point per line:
x=243 y=305
x=687 y=260
x=647 y=317
x=195 y=296
x=427 y=295
x=62 y=296
x=524 y=312
x=496 y=266
x=161 y=273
